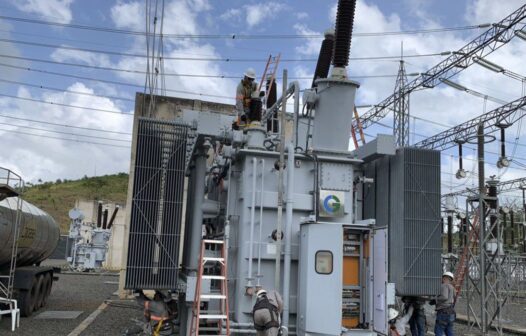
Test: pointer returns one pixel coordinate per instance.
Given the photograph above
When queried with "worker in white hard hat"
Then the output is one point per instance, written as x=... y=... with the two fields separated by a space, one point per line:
x=245 y=89
x=266 y=313
x=445 y=306
x=398 y=324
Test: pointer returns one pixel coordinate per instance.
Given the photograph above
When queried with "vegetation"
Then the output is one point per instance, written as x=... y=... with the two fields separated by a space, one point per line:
x=57 y=198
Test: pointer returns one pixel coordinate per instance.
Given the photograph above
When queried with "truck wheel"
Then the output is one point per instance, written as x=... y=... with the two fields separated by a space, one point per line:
x=40 y=292
x=48 y=282
x=26 y=300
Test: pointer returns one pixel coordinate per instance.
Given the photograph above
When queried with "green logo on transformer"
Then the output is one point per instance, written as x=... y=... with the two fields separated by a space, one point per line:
x=331 y=204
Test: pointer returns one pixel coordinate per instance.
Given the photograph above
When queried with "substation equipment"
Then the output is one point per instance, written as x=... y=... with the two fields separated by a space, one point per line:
x=339 y=234
x=88 y=242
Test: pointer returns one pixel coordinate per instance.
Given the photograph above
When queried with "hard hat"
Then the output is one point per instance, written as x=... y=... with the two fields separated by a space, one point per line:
x=449 y=274
x=250 y=73
x=261 y=292
x=392 y=314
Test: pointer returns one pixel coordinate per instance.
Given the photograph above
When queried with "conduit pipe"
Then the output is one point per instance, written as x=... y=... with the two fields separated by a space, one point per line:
x=252 y=220
x=288 y=236
x=262 y=162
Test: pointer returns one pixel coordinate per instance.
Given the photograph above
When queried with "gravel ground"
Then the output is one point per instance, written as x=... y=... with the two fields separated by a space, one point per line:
x=72 y=292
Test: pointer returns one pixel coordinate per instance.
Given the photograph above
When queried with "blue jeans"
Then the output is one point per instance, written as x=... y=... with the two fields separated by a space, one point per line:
x=417 y=323
x=444 y=324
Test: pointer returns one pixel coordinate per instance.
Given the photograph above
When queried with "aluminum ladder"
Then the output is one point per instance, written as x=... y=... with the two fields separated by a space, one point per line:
x=221 y=317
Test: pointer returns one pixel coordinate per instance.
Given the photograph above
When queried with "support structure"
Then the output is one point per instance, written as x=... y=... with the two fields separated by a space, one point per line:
x=495 y=37
x=401 y=109
x=485 y=288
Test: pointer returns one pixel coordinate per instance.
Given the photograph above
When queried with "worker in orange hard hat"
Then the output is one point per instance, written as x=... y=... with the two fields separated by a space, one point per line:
x=245 y=89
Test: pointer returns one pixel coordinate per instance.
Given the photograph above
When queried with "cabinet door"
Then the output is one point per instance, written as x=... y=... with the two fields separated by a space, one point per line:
x=379 y=280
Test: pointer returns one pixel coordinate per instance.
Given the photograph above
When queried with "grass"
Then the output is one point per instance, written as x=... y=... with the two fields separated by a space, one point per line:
x=57 y=198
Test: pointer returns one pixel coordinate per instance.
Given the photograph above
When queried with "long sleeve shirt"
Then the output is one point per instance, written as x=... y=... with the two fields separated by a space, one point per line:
x=243 y=94
x=446 y=297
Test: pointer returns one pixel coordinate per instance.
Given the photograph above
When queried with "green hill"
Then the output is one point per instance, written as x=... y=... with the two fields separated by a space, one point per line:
x=57 y=198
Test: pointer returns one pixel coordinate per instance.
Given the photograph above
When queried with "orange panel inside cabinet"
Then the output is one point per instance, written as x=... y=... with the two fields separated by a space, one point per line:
x=351 y=271
x=350 y=322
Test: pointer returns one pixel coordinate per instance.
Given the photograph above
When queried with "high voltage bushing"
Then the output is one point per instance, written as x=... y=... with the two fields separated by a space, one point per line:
x=324 y=59
x=343 y=34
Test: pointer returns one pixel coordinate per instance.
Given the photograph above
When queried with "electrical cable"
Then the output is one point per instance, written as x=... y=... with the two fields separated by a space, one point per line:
x=64 y=125
x=66 y=105
x=66 y=133
x=240 y=36
x=204 y=59
x=65 y=139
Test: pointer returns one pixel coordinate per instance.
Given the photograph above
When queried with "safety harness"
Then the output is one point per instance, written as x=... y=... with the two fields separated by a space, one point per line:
x=264 y=303
x=158 y=319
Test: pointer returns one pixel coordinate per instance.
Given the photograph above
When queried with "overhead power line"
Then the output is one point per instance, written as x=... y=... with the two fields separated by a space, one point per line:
x=65 y=133
x=63 y=90
x=66 y=105
x=64 y=125
x=65 y=139
x=241 y=36
x=139 y=72
x=107 y=81
x=207 y=59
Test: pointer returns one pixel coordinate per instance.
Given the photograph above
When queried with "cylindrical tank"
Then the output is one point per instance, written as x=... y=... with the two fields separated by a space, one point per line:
x=39 y=233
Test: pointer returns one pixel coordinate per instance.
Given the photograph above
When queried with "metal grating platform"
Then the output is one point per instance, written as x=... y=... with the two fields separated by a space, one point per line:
x=157 y=205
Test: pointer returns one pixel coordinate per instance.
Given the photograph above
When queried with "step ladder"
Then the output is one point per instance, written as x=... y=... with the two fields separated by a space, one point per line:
x=221 y=317
x=270 y=73
x=360 y=129
x=463 y=265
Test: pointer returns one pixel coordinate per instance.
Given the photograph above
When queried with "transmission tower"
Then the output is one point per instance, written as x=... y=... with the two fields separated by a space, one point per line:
x=401 y=108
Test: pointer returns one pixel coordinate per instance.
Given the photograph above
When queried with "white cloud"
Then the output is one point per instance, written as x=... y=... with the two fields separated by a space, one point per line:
x=489 y=11
x=302 y=15
x=231 y=14
x=57 y=9
x=63 y=55
x=311 y=46
x=38 y=156
x=258 y=13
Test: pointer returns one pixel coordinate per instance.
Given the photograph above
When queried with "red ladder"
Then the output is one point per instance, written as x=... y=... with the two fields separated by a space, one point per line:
x=222 y=296
x=269 y=73
x=463 y=264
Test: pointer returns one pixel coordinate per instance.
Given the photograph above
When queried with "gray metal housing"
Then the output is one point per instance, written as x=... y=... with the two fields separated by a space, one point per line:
x=406 y=198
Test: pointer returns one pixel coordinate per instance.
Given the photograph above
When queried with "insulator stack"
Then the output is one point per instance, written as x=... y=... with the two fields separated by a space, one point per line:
x=343 y=33
x=325 y=57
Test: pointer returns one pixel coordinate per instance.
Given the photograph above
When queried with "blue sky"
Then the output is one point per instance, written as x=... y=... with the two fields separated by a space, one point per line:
x=48 y=159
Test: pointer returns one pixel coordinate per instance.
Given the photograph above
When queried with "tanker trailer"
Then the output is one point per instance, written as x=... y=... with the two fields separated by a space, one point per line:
x=38 y=238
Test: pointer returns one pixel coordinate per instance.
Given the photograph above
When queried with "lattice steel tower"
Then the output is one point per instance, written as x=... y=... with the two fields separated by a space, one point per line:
x=401 y=108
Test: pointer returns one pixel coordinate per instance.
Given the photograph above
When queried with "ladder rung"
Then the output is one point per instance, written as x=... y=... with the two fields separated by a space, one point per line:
x=211 y=241
x=213 y=296
x=212 y=317
x=213 y=259
x=214 y=277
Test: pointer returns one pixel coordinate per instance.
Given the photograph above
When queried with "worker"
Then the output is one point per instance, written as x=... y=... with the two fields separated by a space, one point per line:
x=158 y=313
x=417 y=322
x=245 y=89
x=266 y=313
x=397 y=324
x=445 y=306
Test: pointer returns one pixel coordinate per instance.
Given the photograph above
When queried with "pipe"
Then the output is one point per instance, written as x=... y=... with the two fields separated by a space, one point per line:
x=277 y=270
x=449 y=234
x=288 y=234
x=262 y=162
x=197 y=213
x=252 y=220
x=296 y=86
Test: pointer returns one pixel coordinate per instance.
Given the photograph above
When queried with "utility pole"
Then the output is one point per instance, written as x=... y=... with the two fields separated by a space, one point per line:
x=401 y=106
